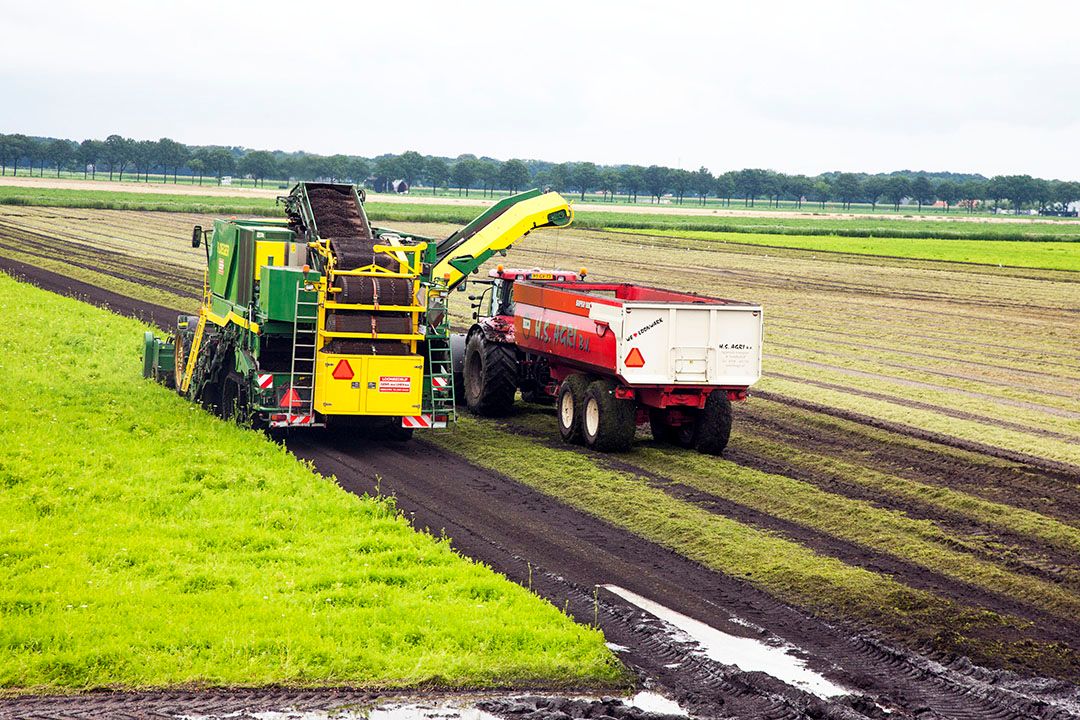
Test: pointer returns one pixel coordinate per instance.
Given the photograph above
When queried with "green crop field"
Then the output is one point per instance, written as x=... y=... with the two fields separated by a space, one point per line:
x=1030 y=254
x=145 y=543
x=666 y=218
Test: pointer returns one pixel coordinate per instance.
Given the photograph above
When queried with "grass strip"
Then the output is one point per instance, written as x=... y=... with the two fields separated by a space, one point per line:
x=783 y=568
x=1058 y=252
x=145 y=543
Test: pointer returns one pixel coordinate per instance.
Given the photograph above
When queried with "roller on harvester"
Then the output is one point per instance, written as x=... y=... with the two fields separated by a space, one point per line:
x=322 y=319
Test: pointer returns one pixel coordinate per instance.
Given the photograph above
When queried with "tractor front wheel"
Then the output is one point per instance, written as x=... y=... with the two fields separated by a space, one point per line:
x=490 y=376
x=607 y=423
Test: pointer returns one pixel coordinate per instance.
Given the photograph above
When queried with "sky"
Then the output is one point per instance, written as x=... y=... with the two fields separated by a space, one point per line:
x=798 y=87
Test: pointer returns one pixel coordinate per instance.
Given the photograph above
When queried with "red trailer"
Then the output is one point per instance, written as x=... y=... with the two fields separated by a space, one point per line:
x=613 y=355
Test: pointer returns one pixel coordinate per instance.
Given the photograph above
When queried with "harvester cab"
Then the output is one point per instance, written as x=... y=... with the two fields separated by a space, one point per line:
x=320 y=318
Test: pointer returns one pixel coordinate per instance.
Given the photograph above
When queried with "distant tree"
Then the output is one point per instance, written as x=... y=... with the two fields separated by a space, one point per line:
x=703 y=183
x=972 y=192
x=821 y=191
x=1042 y=192
x=387 y=169
x=61 y=152
x=117 y=154
x=772 y=186
x=922 y=190
x=632 y=179
x=358 y=169
x=170 y=154
x=220 y=162
x=725 y=187
x=897 y=187
x=463 y=174
x=873 y=189
x=198 y=164
x=514 y=175
x=798 y=187
x=608 y=182
x=90 y=152
x=411 y=166
x=38 y=153
x=487 y=172
x=947 y=192
x=682 y=182
x=657 y=180
x=749 y=184
x=143 y=155
x=584 y=177
x=1020 y=190
x=436 y=172
x=560 y=176
x=337 y=167
x=260 y=164
x=846 y=188
x=1066 y=194
x=8 y=153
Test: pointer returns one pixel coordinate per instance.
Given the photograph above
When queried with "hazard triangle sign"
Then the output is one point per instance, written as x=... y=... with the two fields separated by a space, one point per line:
x=634 y=359
x=291 y=399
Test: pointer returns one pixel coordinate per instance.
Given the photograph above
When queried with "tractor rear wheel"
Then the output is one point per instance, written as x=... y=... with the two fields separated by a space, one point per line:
x=490 y=376
x=608 y=424
x=569 y=404
x=713 y=427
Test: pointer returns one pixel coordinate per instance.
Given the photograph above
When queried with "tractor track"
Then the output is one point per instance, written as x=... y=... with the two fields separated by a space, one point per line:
x=563 y=554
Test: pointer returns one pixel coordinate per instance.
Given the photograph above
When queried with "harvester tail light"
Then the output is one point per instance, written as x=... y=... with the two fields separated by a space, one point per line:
x=343 y=371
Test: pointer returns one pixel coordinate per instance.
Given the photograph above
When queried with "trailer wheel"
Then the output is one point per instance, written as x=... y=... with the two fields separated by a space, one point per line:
x=568 y=406
x=607 y=423
x=713 y=426
x=395 y=432
x=490 y=376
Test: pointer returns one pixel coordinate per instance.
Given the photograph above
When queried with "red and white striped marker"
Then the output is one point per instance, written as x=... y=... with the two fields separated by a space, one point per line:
x=416 y=421
x=266 y=381
x=439 y=382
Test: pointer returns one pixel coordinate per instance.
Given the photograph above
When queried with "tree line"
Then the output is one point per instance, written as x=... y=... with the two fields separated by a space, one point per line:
x=119 y=156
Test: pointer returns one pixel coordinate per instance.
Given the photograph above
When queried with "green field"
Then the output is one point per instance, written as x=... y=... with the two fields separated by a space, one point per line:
x=147 y=544
x=387 y=212
x=1030 y=254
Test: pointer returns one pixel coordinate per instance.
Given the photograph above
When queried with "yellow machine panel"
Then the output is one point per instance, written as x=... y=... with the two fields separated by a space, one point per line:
x=369 y=384
x=270 y=252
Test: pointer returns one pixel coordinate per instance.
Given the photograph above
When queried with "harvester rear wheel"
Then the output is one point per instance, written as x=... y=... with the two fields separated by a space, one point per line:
x=607 y=423
x=396 y=433
x=713 y=426
x=568 y=406
x=490 y=376
x=231 y=404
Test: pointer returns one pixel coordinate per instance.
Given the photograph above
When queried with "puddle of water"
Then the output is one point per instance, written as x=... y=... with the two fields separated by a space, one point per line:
x=749 y=654
x=657 y=703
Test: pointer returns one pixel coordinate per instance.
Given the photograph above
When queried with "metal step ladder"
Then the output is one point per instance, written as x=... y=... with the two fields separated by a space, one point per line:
x=439 y=374
x=193 y=353
x=302 y=367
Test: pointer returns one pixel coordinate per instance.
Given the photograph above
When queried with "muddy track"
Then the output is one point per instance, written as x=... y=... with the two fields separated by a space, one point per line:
x=563 y=554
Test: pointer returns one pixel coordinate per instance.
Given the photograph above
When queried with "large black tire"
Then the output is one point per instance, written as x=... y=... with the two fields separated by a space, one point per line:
x=681 y=435
x=607 y=423
x=232 y=403
x=713 y=426
x=490 y=377
x=395 y=433
x=569 y=403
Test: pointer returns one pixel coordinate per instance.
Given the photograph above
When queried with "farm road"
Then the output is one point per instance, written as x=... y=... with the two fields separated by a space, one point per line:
x=563 y=554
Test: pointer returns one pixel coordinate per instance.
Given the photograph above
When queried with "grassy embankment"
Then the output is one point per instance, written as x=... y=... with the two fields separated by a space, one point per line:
x=868 y=227
x=146 y=543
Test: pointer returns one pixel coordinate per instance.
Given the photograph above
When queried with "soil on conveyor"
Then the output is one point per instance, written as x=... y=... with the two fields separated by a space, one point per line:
x=567 y=556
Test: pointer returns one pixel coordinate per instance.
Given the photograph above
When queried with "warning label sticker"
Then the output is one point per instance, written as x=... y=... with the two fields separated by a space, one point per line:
x=395 y=383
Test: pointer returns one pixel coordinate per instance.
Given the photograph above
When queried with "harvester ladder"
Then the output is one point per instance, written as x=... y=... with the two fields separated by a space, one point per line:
x=193 y=353
x=439 y=378
x=305 y=337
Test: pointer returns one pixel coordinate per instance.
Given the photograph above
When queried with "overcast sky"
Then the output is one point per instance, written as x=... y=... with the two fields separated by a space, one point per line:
x=989 y=87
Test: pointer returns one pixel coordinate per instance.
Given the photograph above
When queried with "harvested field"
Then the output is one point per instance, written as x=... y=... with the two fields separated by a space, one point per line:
x=901 y=487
